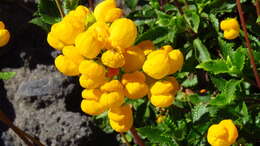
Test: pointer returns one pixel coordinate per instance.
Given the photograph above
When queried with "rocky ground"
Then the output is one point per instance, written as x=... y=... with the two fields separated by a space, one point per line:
x=40 y=100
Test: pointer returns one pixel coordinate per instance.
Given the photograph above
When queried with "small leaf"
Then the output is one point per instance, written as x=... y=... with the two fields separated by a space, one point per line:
x=214 y=21
x=214 y=66
x=190 y=81
x=69 y=5
x=39 y=22
x=198 y=111
x=203 y=51
x=152 y=34
x=7 y=75
x=48 y=11
x=131 y=3
x=219 y=83
x=193 y=19
x=225 y=47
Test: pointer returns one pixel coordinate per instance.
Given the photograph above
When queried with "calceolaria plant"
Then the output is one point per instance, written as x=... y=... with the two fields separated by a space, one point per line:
x=162 y=72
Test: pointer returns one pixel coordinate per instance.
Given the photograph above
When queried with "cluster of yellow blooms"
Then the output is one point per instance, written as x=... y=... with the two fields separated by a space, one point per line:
x=222 y=134
x=230 y=27
x=4 y=35
x=97 y=46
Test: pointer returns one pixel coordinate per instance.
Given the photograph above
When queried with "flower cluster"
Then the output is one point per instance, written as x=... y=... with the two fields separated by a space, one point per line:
x=230 y=27
x=4 y=35
x=222 y=134
x=99 y=47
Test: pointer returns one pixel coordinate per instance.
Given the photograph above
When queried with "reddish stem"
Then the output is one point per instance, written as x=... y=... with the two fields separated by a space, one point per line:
x=137 y=138
x=249 y=49
x=91 y=4
x=257 y=7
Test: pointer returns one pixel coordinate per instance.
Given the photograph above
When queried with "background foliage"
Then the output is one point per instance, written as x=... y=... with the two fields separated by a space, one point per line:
x=220 y=66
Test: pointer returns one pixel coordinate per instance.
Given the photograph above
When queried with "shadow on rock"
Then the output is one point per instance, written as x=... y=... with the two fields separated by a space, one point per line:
x=7 y=108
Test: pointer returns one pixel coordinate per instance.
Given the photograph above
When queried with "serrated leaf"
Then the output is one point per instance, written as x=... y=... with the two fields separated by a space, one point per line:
x=198 y=111
x=7 y=75
x=225 y=47
x=154 y=134
x=237 y=59
x=203 y=51
x=228 y=95
x=193 y=19
x=214 y=66
x=219 y=83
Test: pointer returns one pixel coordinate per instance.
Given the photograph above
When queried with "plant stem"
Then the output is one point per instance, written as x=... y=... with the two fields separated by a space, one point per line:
x=257 y=8
x=58 y=3
x=249 y=49
x=25 y=137
x=137 y=138
x=91 y=4
x=125 y=139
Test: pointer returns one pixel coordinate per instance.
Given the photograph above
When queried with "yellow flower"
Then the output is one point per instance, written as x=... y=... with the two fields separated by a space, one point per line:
x=91 y=94
x=113 y=59
x=160 y=119
x=230 y=27
x=73 y=54
x=170 y=85
x=134 y=59
x=90 y=83
x=123 y=33
x=157 y=64
x=77 y=17
x=177 y=61
x=222 y=134
x=163 y=92
x=65 y=65
x=135 y=86
x=92 y=107
x=92 y=69
x=93 y=40
x=4 y=35
x=121 y=118
x=163 y=100
x=147 y=46
x=106 y=11
x=111 y=86
x=123 y=126
x=163 y=62
x=120 y=113
x=231 y=34
x=113 y=95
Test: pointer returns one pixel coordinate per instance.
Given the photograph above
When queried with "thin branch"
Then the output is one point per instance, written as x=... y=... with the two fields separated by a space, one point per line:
x=58 y=3
x=125 y=139
x=91 y=4
x=137 y=138
x=249 y=49
x=257 y=7
x=24 y=136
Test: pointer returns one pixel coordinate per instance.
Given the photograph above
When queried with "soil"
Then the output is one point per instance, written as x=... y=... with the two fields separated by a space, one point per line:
x=40 y=100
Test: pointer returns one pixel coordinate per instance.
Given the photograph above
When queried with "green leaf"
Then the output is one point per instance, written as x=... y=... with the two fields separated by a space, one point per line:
x=219 y=83
x=228 y=95
x=225 y=47
x=214 y=21
x=198 y=111
x=7 y=75
x=193 y=19
x=258 y=19
x=154 y=134
x=38 y=21
x=69 y=5
x=237 y=60
x=203 y=51
x=214 y=66
x=48 y=11
x=131 y=3
x=152 y=34
x=244 y=113
x=190 y=81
